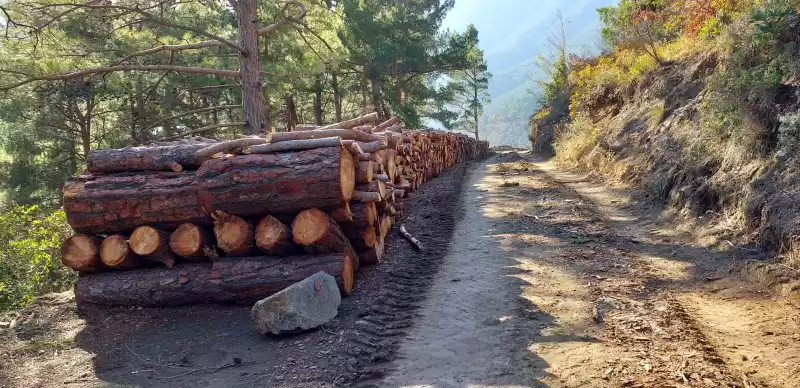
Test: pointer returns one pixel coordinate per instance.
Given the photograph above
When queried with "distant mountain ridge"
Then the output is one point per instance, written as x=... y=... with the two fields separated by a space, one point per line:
x=513 y=87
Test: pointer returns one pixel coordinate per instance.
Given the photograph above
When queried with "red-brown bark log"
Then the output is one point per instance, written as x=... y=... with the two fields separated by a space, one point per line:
x=228 y=280
x=192 y=242
x=274 y=237
x=175 y=158
x=288 y=182
x=152 y=244
x=318 y=233
x=110 y=203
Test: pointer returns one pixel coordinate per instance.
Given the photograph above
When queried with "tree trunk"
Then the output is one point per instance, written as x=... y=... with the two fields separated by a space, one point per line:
x=475 y=114
x=234 y=234
x=82 y=253
x=337 y=96
x=318 y=233
x=116 y=253
x=192 y=242
x=234 y=280
x=153 y=244
x=274 y=237
x=162 y=158
x=250 y=67
x=376 y=96
x=291 y=112
x=102 y=204
x=289 y=182
x=318 y=100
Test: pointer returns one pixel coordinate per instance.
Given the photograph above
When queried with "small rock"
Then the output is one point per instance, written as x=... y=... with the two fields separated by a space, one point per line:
x=308 y=304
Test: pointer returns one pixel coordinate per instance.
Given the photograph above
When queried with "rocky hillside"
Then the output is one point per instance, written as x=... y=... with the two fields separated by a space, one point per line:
x=709 y=125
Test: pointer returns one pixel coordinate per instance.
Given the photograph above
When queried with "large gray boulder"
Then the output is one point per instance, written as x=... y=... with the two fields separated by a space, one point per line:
x=302 y=306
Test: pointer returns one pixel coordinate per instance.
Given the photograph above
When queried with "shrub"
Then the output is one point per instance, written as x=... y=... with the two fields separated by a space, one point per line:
x=577 y=141
x=30 y=240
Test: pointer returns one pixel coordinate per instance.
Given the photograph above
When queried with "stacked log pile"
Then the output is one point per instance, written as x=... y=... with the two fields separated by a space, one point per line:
x=235 y=221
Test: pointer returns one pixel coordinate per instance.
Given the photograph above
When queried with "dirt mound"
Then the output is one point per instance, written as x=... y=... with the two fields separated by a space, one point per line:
x=509 y=157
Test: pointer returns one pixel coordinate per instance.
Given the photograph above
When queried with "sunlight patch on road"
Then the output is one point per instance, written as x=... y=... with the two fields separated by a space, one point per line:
x=665 y=268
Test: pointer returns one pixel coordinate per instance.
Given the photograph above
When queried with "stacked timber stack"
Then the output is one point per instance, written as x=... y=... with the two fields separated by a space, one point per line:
x=202 y=221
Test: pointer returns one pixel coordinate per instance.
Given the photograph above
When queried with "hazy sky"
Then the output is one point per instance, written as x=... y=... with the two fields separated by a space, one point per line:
x=501 y=23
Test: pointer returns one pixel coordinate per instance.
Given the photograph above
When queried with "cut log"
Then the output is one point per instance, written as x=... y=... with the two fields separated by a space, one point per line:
x=274 y=237
x=234 y=234
x=375 y=186
x=82 y=253
x=116 y=253
x=288 y=182
x=347 y=134
x=366 y=196
x=369 y=118
x=364 y=214
x=373 y=255
x=295 y=145
x=363 y=238
x=175 y=158
x=229 y=280
x=227 y=146
x=192 y=242
x=364 y=171
x=153 y=244
x=342 y=213
x=111 y=203
x=374 y=146
x=318 y=233
x=386 y=124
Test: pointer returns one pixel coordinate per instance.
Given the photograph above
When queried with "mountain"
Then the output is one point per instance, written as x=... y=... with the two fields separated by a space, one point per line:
x=513 y=33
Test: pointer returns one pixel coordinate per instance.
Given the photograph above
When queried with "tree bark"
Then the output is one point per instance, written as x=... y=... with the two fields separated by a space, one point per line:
x=373 y=255
x=250 y=67
x=291 y=112
x=363 y=238
x=192 y=242
x=288 y=182
x=116 y=253
x=234 y=234
x=318 y=233
x=234 y=280
x=110 y=203
x=162 y=158
x=152 y=244
x=82 y=253
x=274 y=237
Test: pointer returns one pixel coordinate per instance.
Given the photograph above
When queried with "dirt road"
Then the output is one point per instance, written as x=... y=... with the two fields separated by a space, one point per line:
x=552 y=280
x=532 y=277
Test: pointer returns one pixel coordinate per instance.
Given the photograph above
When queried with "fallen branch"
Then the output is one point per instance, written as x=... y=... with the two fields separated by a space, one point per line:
x=416 y=243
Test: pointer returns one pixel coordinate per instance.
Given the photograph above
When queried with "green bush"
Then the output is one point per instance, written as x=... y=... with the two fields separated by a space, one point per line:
x=30 y=240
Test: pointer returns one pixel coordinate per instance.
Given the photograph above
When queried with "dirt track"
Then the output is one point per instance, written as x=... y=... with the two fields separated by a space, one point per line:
x=532 y=277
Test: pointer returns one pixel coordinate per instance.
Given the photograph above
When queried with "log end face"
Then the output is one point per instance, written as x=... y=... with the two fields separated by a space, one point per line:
x=80 y=252
x=347 y=174
x=145 y=240
x=309 y=226
x=269 y=232
x=186 y=241
x=114 y=250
